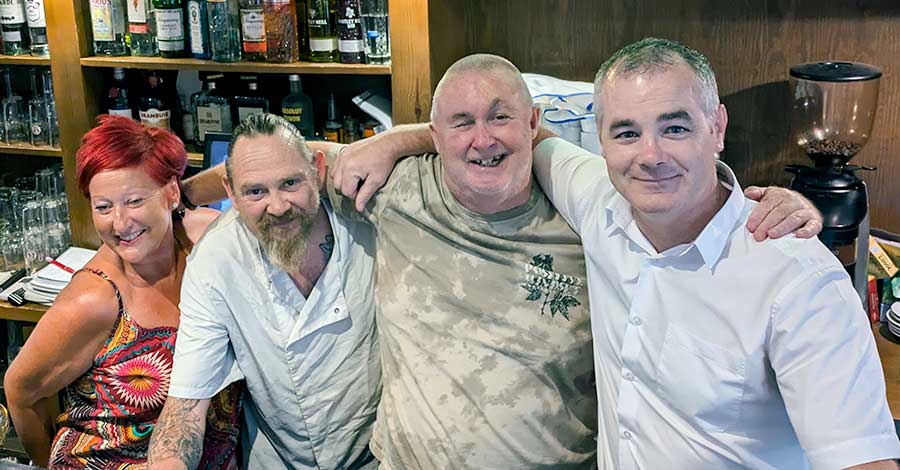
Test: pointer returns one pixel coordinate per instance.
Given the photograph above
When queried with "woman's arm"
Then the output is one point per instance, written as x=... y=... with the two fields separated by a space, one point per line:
x=59 y=350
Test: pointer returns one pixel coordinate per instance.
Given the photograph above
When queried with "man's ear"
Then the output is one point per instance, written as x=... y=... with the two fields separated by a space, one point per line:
x=434 y=137
x=227 y=184
x=319 y=163
x=720 y=123
x=535 y=121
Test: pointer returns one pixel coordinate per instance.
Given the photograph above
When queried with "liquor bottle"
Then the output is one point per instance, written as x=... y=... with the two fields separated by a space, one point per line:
x=250 y=102
x=351 y=46
x=12 y=23
x=302 y=25
x=196 y=98
x=213 y=111
x=154 y=108
x=117 y=95
x=350 y=132
x=142 y=28
x=224 y=30
x=108 y=25
x=13 y=113
x=37 y=112
x=332 y=130
x=188 y=126
x=50 y=100
x=198 y=26
x=37 y=27
x=378 y=38
x=320 y=25
x=281 y=31
x=253 y=28
x=297 y=108
x=169 y=16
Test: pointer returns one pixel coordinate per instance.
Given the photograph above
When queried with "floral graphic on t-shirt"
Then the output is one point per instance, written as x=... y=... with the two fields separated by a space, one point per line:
x=557 y=290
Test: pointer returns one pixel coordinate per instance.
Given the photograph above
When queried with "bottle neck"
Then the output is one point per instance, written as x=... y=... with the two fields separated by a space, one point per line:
x=296 y=88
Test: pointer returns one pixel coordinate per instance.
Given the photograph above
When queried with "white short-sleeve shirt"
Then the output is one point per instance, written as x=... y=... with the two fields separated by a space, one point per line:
x=724 y=352
x=311 y=364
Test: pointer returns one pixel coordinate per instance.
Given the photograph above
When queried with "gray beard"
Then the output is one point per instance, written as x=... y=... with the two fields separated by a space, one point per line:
x=286 y=254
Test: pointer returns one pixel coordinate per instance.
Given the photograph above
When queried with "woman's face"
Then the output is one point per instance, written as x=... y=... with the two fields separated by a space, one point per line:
x=133 y=213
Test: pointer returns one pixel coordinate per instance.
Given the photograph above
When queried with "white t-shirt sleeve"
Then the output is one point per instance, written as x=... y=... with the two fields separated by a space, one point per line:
x=829 y=373
x=573 y=178
x=204 y=360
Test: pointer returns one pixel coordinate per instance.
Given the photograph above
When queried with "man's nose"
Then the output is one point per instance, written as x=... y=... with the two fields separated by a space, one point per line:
x=278 y=205
x=483 y=137
x=651 y=152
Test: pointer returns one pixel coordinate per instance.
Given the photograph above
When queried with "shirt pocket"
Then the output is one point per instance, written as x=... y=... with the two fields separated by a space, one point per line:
x=702 y=381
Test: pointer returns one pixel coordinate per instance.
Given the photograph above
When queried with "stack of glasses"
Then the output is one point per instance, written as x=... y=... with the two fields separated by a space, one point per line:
x=34 y=221
x=39 y=125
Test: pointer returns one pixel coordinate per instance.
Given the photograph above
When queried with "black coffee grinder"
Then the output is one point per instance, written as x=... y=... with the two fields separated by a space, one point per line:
x=832 y=112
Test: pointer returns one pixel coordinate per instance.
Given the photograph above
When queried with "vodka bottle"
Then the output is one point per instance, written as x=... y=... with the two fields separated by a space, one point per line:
x=198 y=28
x=297 y=108
x=117 y=95
x=351 y=46
x=12 y=23
x=320 y=25
x=108 y=25
x=142 y=28
x=224 y=30
x=378 y=38
x=37 y=27
x=253 y=28
x=281 y=31
x=169 y=16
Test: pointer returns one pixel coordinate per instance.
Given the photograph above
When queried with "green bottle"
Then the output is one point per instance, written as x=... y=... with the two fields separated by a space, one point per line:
x=169 y=16
x=297 y=108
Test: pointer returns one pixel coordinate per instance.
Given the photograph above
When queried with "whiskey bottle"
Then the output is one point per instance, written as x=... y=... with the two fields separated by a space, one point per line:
x=351 y=46
x=250 y=102
x=169 y=16
x=213 y=112
x=224 y=30
x=142 y=28
x=281 y=31
x=253 y=27
x=12 y=23
x=320 y=25
x=37 y=27
x=108 y=25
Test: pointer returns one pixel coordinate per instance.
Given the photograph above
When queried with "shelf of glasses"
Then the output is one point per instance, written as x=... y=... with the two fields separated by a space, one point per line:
x=159 y=63
x=26 y=149
x=28 y=312
x=24 y=60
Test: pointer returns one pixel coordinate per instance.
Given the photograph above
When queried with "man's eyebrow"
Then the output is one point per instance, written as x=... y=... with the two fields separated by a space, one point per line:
x=458 y=116
x=621 y=123
x=680 y=114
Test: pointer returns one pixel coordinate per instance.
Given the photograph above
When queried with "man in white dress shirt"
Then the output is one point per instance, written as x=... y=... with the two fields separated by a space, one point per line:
x=712 y=350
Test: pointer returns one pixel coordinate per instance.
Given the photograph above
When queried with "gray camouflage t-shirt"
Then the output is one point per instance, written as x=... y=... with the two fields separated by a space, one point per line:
x=484 y=330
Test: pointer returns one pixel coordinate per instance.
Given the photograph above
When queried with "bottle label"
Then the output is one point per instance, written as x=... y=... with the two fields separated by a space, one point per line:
x=292 y=115
x=322 y=44
x=209 y=119
x=101 y=20
x=155 y=118
x=34 y=13
x=120 y=112
x=332 y=135
x=12 y=12
x=170 y=29
x=244 y=113
x=12 y=36
x=253 y=26
x=351 y=46
x=137 y=12
x=196 y=26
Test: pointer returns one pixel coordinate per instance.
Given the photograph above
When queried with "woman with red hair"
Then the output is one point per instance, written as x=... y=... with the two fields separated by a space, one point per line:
x=110 y=335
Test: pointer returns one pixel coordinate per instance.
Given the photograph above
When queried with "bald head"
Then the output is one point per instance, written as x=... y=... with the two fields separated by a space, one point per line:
x=481 y=64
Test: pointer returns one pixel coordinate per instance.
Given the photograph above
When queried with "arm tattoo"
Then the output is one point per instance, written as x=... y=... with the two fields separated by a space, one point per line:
x=178 y=433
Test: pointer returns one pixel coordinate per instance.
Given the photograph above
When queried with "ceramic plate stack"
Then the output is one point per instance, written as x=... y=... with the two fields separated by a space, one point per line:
x=893 y=317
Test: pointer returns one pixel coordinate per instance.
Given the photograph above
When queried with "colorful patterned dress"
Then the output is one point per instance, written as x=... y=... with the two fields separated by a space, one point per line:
x=115 y=404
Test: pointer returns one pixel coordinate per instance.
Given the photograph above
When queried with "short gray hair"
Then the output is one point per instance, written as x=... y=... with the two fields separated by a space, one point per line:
x=486 y=63
x=652 y=55
x=266 y=124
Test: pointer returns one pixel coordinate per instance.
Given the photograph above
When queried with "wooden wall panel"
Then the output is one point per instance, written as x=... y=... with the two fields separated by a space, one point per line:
x=751 y=45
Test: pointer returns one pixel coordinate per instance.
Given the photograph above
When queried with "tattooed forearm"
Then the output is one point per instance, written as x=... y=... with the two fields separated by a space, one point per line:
x=177 y=439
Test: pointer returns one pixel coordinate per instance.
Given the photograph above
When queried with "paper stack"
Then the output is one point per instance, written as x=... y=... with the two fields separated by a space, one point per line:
x=46 y=284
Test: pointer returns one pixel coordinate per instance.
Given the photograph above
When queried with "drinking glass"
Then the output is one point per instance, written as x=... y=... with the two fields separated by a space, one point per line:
x=46 y=182
x=13 y=251
x=34 y=237
x=53 y=227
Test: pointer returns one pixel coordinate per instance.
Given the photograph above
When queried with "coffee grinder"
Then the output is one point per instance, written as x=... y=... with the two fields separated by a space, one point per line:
x=832 y=112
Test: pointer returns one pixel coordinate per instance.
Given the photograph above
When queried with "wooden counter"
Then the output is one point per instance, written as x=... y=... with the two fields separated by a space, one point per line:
x=889 y=351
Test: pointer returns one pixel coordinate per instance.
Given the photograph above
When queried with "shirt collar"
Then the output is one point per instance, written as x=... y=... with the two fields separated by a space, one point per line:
x=712 y=239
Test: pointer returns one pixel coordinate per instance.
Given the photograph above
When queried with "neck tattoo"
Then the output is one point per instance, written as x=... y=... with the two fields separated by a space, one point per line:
x=327 y=246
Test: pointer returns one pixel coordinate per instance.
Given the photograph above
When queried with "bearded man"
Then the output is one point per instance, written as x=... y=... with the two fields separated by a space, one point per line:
x=279 y=293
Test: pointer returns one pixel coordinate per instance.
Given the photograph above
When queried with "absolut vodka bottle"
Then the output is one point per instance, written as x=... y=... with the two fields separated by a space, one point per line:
x=37 y=27
x=142 y=28
x=12 y=23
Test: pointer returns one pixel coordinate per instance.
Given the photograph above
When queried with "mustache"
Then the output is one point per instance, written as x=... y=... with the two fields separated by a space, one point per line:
x=268 y=221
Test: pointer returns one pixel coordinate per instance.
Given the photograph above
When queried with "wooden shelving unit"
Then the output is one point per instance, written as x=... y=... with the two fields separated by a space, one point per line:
x=159 y=63
x=24 y=60
x=30 y=150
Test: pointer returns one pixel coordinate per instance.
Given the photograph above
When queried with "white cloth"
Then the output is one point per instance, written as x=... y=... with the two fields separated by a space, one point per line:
x=721 y=353
x=311 y=365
